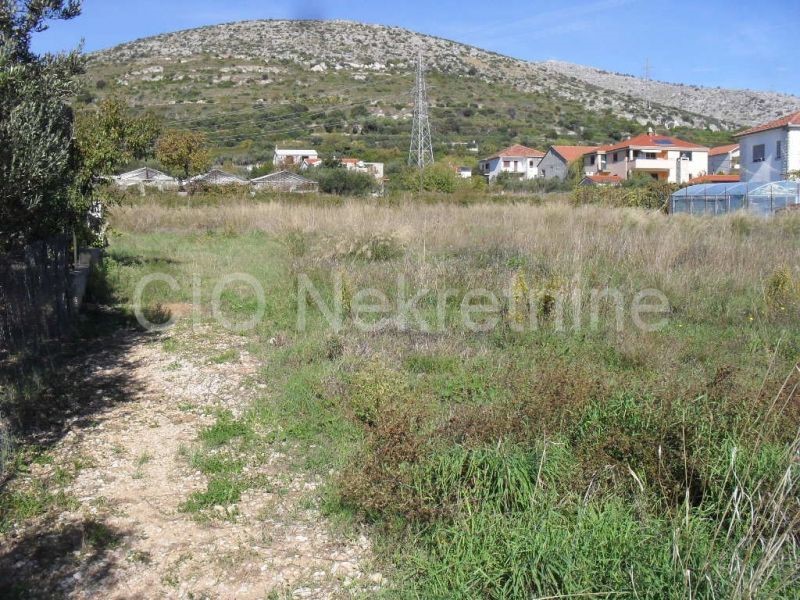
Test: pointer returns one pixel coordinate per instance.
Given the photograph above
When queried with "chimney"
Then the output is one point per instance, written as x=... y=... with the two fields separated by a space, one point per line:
x=650 y=131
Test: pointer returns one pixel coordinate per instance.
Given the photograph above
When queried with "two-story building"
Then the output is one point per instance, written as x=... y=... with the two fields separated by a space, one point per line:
x=519 y=161
x=661 y=157
x=557 y=160
x=293 y=158
x=770 y=152
x=724 y=160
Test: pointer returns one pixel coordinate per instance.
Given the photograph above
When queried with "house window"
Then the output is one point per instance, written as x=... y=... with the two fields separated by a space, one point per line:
x=686 y=156
x=506 y=164
x=779 y=150
x=531 y=163
x=759 y=153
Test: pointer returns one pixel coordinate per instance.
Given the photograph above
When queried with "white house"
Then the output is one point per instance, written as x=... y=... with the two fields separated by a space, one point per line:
x=724 y=160
x=464 y=172
x=520 y=161
x=661 y=157
x=371 y=168
x=146 y=177
x=291 y=158
x=219 y=177
x=557 y=160
x=771 y=151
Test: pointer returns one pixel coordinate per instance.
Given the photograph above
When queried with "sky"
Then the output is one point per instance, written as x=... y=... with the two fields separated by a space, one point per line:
x=703 y=42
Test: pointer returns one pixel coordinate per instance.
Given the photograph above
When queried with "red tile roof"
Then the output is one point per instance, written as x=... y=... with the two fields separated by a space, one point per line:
x=645 y=140
x=572 y=153
x=723 y=149
x=604 y=178
x=792 y=119
x=350 y=161
x=716 y=179
x=517 y=151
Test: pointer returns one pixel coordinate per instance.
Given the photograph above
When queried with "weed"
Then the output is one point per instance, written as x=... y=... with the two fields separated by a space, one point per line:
x=224 y=430
x=781 y=290
x=143 y=459
x=221 y=491
x=100 y=536
x=229 y=355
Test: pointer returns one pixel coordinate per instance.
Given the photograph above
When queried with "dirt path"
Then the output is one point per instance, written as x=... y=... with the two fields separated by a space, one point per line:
x=126 y=536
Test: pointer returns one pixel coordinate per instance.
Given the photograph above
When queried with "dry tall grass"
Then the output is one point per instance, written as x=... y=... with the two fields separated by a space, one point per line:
x=678 y=252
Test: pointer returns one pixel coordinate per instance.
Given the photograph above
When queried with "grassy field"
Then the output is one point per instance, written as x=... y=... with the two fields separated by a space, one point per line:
x=556 y=449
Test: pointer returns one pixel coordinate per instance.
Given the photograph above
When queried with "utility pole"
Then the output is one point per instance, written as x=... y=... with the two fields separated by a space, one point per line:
x=647 y=72
x=421 y=152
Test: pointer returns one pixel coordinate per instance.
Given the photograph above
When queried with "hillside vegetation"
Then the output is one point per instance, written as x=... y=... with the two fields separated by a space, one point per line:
x=345 y=87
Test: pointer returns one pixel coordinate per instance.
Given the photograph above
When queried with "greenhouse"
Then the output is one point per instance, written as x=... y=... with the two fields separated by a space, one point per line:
x=720 y=198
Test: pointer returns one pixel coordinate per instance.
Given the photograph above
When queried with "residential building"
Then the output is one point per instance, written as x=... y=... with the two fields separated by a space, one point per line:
x=285 y=181
x=219 y=177
x=292 y=158
x=661 y=157
x=309 y=163
x=146 y=177
x=602 y=180
x=464 y=172
x=519 y=161
x=556 y=162
x=723 y=160
x=372 y=168
x=770 y=152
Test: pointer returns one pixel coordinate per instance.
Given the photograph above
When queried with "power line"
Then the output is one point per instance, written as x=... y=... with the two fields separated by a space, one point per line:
x=421 y=151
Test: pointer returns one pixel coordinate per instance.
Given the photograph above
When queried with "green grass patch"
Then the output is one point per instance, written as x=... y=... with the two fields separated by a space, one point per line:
x=221 y=491
x=224 y=430
x=225 y=357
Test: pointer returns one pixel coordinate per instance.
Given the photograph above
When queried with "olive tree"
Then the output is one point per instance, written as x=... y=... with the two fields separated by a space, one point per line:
x=37 y=155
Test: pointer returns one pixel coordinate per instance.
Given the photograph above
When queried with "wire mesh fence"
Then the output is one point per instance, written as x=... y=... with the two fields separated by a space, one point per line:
x=35 y=310
x=35 y=298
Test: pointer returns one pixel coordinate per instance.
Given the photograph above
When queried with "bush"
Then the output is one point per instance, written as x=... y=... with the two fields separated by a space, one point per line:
x=376 y=247
x=648 y=194
x=508 y=182
x=436 y=178
x=343 y=182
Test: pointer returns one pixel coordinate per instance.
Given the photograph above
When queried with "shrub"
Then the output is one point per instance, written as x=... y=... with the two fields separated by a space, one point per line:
x=372 y=389
x=344 y=183
x=637 y=194
x=781 y=290
x=375 y=247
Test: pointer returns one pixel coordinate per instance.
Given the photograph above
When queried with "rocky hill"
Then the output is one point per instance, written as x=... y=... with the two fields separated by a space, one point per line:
x=253 y=84
x=744 y=107
x=356 y=47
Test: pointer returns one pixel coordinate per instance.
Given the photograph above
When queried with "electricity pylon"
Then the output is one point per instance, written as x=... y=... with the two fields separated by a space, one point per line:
x=421 y=152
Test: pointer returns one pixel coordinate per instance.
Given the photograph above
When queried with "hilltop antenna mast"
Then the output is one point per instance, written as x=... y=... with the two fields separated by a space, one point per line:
x=421 y=152
x=647 y=73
